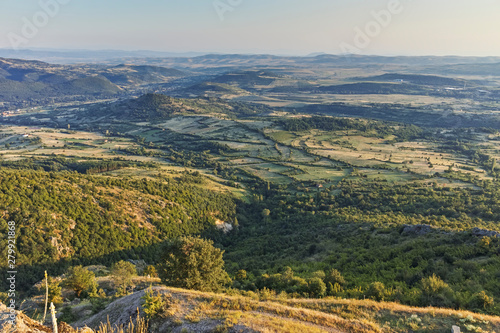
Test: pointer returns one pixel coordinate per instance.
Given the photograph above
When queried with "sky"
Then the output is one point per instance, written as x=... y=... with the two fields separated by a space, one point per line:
x=298 y=27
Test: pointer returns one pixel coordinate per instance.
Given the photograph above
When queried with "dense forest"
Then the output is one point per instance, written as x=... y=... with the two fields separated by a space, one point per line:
x=373 y=128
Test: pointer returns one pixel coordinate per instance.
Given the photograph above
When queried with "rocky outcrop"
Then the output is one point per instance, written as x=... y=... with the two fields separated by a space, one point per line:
x=418 y=229
x=24 y=324
x=485 y=233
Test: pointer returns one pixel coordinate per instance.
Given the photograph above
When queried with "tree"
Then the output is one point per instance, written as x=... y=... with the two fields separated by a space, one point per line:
x=333 y=276
x=241 y=275
x=481 y=301
x=55 y=291
x=150 y=271
x=80 y=279
x=193 y=263
x=436 y=292
x=122 y=272
x=376 y=290
x=317 y=288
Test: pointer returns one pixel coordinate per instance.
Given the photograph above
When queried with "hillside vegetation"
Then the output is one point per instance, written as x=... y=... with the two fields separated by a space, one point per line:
x=155 y=107
x=55 y=212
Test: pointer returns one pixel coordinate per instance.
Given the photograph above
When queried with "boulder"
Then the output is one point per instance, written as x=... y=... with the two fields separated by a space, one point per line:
x=485 y=233
x=417 y=229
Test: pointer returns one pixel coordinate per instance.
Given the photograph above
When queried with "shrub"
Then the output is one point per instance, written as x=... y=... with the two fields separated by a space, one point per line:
x=481 y=301
x=153 y=304
x=333 y=276
x=436 y=292
x=55 y=291
x=150 y=271
x=317 y=288
x=376 y=291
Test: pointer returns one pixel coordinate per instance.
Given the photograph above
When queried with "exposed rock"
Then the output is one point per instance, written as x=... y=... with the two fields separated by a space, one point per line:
x=24 y=324
x=140 y=265
x=120 y=312
x=455 y=329
x=485 y=233
x=224 y=227
x=418 y=229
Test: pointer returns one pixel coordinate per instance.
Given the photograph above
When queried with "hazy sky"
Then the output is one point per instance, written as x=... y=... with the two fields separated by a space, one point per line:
x=418 y=27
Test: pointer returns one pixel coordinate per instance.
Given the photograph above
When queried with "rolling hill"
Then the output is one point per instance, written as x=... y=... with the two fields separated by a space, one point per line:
x=192 y=311
x=154 y=107
x=247 y=79
x=30 y=83
x=132 y=75
x=430 y=80
x=212 y=89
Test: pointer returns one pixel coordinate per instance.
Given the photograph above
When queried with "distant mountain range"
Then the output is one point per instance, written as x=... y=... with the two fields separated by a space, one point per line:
x=431 y=63
x=207 y=58
x=86 y=56
x=28 y=83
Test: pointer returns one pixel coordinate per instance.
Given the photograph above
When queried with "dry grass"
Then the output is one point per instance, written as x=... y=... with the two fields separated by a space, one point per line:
x=140 y=326
x=328 y=315
x=394 y=317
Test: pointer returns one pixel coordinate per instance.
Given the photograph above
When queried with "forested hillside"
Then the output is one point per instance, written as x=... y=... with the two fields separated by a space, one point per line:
x=64 y=216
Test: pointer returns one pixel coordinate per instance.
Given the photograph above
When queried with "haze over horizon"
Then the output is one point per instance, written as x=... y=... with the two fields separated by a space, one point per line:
x=291 y=27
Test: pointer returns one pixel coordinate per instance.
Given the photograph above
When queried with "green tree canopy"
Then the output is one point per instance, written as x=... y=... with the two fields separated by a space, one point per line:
x=376 y=290
x=80 y=279
x=150 y=271
x=193 y=263
x=122 y=272
x=334 y=276
x=317 y=287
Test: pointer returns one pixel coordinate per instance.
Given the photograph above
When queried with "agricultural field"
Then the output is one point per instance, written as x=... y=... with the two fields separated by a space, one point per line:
x=260 y=148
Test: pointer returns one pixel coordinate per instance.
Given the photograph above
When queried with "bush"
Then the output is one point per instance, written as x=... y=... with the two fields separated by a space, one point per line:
x=317 y=288
x=433 y=285
x=67 y=315
x=150 y=271
x=241 y=275
x=55 y=291
x=481 y=301
x=333 y=276
x=376 y=291
x=153 y=304
x=436 y=292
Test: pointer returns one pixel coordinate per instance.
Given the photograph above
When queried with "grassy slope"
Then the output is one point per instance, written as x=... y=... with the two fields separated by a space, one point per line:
x=205 y=311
